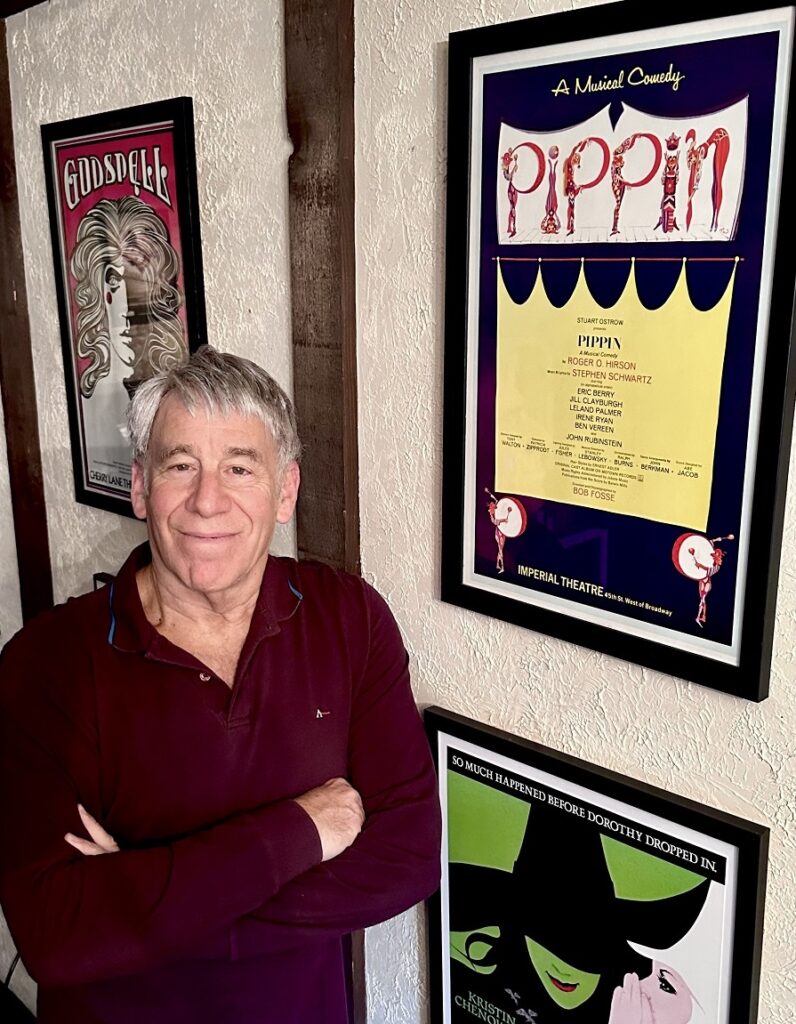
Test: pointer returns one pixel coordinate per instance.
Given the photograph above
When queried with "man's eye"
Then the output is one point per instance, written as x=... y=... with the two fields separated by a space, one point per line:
x=180 y=467
x=239 y=471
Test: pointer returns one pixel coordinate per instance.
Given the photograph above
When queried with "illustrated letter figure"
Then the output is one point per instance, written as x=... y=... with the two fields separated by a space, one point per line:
x=509 y=161
x=619 y=184
x=720 y=140
x=669 y=179
x=571 y=164
x=550 y=223
x=571 y=190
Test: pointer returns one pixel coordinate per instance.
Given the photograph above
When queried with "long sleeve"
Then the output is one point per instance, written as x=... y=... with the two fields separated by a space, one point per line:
x=77 y=919
x=395 y=861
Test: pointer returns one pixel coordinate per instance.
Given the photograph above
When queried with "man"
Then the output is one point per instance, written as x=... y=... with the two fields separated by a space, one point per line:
x=212 y=769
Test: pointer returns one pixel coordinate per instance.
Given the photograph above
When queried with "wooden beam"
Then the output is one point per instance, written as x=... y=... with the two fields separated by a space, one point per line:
x=319 y=62
x=319 y=75
x=16 y=379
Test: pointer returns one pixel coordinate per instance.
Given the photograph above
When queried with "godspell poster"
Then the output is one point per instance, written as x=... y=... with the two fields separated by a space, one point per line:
x=621 y=229
x=126 y=274
x=571 y=903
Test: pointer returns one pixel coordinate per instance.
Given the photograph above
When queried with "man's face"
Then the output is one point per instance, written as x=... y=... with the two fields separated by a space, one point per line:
x=214 y=496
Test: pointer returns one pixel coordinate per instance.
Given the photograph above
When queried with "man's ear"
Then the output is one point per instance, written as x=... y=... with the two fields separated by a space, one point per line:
x=138 y=491
x=291 y=478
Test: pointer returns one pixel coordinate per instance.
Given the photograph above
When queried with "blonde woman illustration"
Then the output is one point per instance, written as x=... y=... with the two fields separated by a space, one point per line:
x=128 y=324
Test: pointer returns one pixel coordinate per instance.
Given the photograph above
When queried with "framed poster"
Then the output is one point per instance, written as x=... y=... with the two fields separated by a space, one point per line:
x=573 y=895
x=620 y=282
x=124 y=216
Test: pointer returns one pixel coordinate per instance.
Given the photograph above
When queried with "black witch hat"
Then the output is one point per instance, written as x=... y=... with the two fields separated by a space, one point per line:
x=560 y=895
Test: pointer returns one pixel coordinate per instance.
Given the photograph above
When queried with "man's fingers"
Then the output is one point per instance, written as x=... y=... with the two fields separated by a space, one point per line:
x=103 y=839
x=100 y=842
x=83 y=846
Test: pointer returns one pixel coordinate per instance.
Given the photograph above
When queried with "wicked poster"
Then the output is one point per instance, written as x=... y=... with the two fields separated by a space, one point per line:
x=575 y=896
x=125 y=231
x=613 y=222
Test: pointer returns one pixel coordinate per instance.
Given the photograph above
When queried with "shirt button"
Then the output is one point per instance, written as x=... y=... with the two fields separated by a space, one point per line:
x=205 y=677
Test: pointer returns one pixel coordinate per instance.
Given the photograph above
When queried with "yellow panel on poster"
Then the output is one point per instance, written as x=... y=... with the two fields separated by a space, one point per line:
x=612 y=409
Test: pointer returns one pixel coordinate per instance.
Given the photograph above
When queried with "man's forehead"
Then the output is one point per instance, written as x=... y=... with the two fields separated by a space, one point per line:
x=179 y=428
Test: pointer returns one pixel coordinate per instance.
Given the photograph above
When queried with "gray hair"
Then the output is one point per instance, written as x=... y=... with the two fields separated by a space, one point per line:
x=217 y=382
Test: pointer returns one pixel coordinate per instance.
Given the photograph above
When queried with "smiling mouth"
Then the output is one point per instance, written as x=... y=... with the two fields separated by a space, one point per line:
x=208 y=536
x=562 y=986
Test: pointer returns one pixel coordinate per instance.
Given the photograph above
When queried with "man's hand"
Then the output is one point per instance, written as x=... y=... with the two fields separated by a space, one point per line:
x=102 y=842
x=337 y=813
x=335 y=808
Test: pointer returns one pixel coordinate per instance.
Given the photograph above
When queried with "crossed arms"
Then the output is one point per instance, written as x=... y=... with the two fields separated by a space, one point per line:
x=273 y=878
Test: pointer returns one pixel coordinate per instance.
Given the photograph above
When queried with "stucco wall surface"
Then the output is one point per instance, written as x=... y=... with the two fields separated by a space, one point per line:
x=728 y=753
x=69 y=58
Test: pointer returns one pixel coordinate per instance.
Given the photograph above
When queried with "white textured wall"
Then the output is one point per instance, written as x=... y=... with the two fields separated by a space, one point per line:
x=725 y=752
x=74 y=57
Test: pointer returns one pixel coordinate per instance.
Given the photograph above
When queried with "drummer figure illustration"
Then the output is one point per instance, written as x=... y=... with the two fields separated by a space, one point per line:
x=699 y=559
x=509 y=519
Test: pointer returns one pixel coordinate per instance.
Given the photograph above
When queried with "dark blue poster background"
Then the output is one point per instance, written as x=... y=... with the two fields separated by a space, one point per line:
x=628 y=555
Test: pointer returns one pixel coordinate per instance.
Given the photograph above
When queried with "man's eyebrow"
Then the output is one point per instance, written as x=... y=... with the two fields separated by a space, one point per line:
x=178 y=449
x=244 y=453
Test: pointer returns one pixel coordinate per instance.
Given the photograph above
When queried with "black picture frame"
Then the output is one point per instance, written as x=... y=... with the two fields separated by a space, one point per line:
x=133 y=170
x=501 y=80
x=500 y=880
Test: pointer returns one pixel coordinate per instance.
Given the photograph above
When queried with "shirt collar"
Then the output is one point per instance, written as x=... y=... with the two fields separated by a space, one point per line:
x=130 y=631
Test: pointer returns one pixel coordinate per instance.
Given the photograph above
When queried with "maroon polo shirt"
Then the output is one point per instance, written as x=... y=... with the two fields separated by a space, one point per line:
x=217 y=908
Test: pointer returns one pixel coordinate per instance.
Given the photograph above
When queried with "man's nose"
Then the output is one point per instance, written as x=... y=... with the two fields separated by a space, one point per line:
x=208 y=496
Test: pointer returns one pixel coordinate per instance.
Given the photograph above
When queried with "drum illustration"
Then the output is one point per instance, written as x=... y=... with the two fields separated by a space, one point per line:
x=692 y=554
x=699 y=559
x=509 y=519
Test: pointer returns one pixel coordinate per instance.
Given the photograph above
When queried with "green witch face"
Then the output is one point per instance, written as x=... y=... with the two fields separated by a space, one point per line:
x=566 y=985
